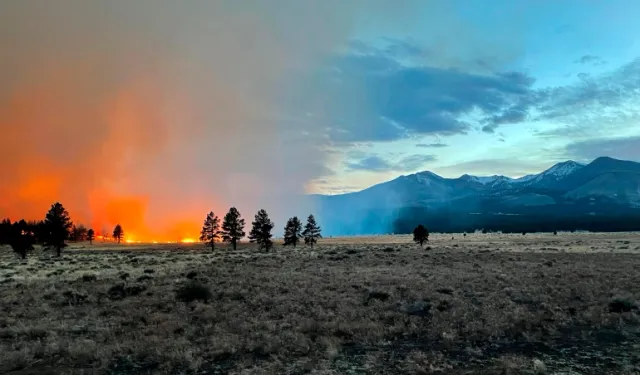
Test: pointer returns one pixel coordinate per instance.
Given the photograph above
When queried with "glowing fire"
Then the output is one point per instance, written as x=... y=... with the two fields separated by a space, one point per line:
x=188 y=240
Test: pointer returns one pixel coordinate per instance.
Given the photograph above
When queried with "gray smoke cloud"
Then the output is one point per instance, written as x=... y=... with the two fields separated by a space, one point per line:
x=151 y=112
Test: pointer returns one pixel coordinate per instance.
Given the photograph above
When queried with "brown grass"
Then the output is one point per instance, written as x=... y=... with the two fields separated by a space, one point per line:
x=480 y=304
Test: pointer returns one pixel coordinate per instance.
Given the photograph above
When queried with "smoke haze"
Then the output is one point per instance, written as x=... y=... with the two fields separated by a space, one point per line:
x=150 y=113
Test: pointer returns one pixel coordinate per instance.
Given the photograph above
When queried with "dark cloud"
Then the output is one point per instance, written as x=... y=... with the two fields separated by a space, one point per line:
x=512 y=115
x=432 y=145
x=378 y=164
x=591 y=60
x=619 y=148
x=489 y=128
x=378 y=98
x=387 y=93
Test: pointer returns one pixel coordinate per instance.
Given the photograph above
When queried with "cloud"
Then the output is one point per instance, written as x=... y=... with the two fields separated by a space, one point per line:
x=617 y=90
x=379 y=98
x=378 y=164
x=414 y=162
x=496 y=166
x=591 y=60
x=619 y=148
x=431 y=145
x=371 y=163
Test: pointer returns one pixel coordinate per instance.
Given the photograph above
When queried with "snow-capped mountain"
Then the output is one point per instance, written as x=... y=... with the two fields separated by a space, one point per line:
x=567 y=187
x=555 y=173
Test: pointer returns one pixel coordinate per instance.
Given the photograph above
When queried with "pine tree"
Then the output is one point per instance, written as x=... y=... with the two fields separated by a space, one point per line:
x=293 y=232
x=420 y=234
x=232 y=227
x=57 y=226
x=118 y=233
x=78 y=233
x=5 y=231
x=311 y=232
x=210 y=232
x=90 y=236
x=261 y=230
x=21 y=238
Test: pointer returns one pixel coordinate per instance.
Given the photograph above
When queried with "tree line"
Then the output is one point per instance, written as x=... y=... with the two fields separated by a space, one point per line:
x=57 y=228
x=232 y=230
x=51 y=233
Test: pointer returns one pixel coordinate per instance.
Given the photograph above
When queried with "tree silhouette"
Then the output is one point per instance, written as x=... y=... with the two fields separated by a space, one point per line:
x=210 y=232
x=90 y=236
x=5 y=231
x=420 y=234
x=57 y=225
x=232 y=227
x=21 y=238
x=78 y=233
x=261 y=230
x=118 y=233
x=293 y=232
x=311 y=231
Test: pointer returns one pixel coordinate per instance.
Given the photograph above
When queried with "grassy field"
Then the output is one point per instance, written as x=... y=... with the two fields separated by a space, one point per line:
x=480 y=304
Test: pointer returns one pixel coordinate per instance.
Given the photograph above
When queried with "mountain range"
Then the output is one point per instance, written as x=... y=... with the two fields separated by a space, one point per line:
x=605 y=187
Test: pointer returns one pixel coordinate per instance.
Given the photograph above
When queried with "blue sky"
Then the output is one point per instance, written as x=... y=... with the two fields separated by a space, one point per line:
x=479 y=87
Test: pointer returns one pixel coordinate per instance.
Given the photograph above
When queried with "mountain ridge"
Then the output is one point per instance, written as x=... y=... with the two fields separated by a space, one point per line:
x=603 y=186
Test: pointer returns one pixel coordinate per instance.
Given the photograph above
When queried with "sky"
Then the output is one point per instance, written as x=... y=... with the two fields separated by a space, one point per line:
x=151 y=113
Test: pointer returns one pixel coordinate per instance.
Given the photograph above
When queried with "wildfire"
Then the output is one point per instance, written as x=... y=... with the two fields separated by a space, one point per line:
x=188 y=240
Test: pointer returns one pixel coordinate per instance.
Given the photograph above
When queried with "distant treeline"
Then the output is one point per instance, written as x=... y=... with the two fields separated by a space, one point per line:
x=514 y=223
x=570 y=217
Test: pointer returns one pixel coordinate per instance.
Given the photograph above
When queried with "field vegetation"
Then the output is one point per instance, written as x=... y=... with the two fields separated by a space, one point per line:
x=474 y=304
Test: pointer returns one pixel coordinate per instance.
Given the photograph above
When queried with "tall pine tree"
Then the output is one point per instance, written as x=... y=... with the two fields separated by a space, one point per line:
x=232 y=227
x=311 y=232
x=118 y=233
x=293 y=232
x=261 y=230
x=57 y=224
x=91 y=235
x=210 y=232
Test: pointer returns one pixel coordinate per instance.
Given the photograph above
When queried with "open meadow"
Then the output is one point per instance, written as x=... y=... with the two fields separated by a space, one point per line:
x=475 y=304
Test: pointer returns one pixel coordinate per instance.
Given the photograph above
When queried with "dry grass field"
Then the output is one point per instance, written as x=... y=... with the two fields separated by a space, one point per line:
x=480 y=304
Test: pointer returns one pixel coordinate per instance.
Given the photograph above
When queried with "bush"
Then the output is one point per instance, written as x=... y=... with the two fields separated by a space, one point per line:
x=87 y=278
x=620 y=306
x=193 y=291
x=119 y=291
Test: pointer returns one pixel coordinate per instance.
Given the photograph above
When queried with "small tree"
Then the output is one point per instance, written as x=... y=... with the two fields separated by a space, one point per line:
x=5 y=231
x=261 y=230
x=78 y=233
x=232 y=227
x=311 y=232
x=90 y=236
x=293 y=232
x=210 y=232
x=21 y=239
x=57 y=226
x=420 y=234
x=118 y=233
